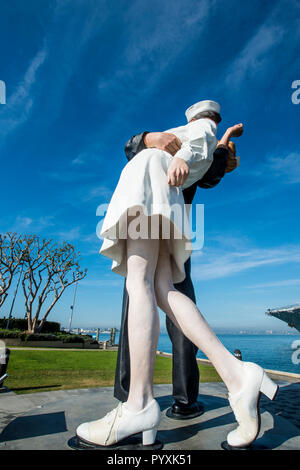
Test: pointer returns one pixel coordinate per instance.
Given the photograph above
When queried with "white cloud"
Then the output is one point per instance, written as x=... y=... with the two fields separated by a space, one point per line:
x=257 y=52
x=24 y=87
x=24 y=223
x=67 y=176
x=19 y=104
x=102 y=282
x=78 y=160
x=70 y=28
x=87 y=158
x=284 y=169
x=69 y=235
x=287 y=168
x=101 y=191
x=284 y=283
x=151 y=48
x=214 y=264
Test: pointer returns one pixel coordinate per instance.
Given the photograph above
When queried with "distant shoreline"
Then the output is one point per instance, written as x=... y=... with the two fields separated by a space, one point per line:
x=217 y=332
x=276 y=374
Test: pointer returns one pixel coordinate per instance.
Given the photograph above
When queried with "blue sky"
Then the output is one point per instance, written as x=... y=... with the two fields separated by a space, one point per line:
x=84 y=76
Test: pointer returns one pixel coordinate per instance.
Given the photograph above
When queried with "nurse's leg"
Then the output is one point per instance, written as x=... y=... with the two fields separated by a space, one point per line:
x=143 y=319
x=187 y=317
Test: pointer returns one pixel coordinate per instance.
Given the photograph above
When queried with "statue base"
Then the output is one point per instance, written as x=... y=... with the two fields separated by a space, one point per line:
x=130 y=443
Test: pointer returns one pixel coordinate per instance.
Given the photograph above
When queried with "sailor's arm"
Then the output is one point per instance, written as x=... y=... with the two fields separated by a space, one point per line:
x=160 y=140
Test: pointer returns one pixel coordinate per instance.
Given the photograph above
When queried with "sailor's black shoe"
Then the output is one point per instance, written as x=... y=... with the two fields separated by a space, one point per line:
x=183 y=411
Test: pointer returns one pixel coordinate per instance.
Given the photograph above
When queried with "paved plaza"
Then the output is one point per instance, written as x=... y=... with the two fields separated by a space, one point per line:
x=48 y=420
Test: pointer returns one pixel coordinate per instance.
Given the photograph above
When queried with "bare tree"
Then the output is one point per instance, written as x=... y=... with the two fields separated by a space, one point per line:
x=11 y=257
x=48 y=270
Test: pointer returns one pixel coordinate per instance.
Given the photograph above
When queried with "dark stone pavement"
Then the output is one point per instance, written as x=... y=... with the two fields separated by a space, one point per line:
x=47 y=420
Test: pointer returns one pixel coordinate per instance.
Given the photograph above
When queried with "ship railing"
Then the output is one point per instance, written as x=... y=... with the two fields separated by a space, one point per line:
x=283 y=309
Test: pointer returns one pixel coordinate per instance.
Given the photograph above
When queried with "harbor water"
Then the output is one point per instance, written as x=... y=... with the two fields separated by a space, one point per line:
x=276 y=352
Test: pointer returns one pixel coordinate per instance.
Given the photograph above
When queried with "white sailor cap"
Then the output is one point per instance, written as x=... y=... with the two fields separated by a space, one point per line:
x=201 y=106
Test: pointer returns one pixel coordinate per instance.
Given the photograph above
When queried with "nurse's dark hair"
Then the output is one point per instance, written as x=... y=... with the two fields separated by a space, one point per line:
x=209 y=114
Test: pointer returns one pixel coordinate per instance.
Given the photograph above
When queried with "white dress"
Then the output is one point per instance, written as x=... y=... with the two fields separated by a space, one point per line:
x=143 y=186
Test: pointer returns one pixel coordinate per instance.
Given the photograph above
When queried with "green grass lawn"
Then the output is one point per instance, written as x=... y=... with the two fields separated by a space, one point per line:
x=37 y=371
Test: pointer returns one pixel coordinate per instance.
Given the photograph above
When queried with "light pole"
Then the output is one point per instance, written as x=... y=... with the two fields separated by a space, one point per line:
x=72 y=306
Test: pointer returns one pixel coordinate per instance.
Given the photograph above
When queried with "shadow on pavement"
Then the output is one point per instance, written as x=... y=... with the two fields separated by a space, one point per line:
x=25 y=427
x=286 y=404
x=210 y=403
x=19 y=389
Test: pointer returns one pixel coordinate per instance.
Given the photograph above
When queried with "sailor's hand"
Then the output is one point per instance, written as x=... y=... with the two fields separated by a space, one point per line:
x=232 y=164
x=163 y=141
x=233 y=160
x=177 y=172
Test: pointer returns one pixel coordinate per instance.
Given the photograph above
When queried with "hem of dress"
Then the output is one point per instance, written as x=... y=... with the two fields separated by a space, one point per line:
x=114 y=248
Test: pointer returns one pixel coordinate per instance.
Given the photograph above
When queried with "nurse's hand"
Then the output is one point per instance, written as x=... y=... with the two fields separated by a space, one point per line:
x=236 y=131
x=177 y=172
x=163 y=141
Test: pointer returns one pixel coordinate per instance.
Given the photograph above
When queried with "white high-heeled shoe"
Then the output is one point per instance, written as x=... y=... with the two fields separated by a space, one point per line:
x=121 y=423
x=245 y=404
